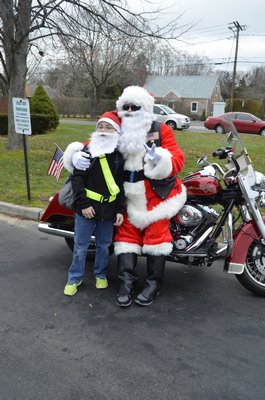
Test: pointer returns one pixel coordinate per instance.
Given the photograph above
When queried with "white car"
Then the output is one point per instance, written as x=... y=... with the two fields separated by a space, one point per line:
x=165 y=114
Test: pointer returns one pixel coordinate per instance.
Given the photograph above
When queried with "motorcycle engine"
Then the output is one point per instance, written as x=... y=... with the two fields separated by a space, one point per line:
x=189 y=223
x=189 y=216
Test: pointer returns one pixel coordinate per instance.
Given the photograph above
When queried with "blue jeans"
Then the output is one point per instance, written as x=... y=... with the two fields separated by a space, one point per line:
x=83 y=230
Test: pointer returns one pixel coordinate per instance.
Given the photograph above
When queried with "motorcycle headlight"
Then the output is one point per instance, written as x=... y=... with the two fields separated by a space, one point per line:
x=260 y=180
x=262 y=183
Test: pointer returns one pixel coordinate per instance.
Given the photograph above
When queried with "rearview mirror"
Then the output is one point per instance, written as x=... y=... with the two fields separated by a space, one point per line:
x=202 y=160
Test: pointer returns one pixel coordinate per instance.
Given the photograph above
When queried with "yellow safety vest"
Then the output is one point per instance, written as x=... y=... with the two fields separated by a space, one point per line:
x=110 y=182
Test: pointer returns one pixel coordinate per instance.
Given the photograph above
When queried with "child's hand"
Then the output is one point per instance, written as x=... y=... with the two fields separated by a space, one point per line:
x=119 y=220
x=88 y=212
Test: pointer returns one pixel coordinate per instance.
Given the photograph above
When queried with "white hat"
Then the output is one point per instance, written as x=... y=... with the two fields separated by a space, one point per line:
x=136 y=95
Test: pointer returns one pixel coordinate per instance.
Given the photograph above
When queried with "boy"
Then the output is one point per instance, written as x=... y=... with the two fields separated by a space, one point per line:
x=99 y=200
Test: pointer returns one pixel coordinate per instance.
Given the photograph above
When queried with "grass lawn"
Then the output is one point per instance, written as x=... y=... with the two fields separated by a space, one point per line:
x=13 y=187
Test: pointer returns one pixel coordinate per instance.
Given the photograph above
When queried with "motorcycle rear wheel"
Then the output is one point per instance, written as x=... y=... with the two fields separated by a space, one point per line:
x=253 y=277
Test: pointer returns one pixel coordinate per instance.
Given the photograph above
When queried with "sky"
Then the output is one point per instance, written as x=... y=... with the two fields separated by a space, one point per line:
x=210 y=37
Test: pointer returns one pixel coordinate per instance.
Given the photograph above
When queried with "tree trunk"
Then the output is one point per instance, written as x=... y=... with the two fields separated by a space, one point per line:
x=93 y=109
x=16 y=89
x=16 y=31
x=95 y=102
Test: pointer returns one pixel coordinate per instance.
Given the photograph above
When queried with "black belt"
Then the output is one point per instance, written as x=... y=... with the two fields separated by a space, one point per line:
x=134 y=176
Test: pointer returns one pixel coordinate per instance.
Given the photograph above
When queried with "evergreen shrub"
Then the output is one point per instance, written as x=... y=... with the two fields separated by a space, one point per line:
x=40 y=103
x=39 y=123
x=3 y=124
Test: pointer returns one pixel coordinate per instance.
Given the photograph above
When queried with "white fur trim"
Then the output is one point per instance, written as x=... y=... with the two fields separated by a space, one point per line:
x=161 y=249
x=134 y=161
x=135 y=195
x=164 y=210
x=68 y=153
x=136 y=95
x=162 y=169
x=125 y=247
x=111 y=122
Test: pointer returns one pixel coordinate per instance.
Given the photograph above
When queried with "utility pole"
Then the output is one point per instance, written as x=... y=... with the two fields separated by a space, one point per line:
x=236 y=28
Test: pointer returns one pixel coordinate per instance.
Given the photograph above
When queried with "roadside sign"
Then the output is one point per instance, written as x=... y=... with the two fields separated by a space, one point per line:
x=21 y=115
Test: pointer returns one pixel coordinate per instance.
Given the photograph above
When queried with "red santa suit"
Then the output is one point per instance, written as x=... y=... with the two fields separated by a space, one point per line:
x=147 y=170
x=146 y=226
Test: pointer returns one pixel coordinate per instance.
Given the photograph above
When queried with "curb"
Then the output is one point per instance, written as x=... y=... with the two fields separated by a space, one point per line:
x=14 y=210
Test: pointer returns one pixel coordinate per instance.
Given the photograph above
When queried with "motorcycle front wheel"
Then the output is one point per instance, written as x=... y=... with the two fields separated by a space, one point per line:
x=253 y=277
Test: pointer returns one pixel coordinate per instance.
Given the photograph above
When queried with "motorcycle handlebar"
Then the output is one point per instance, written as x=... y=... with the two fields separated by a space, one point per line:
x=221 y=153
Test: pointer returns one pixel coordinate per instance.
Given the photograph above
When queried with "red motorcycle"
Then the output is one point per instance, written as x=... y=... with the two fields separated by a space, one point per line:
x=220 y=220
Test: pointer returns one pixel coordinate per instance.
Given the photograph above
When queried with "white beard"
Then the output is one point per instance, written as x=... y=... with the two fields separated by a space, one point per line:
x=134 y=128
x=103 y=143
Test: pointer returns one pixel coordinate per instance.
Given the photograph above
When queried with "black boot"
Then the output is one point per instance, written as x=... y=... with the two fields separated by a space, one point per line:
x=126 y=265
x=154 y=281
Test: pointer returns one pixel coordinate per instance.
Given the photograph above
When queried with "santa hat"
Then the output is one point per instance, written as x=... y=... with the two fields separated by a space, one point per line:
x=112 y=118
x=136 y=95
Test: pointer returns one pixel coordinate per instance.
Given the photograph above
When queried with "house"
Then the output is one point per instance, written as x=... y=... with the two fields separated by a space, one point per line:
x=3 y=105
x=189 y=95
x=4 y=100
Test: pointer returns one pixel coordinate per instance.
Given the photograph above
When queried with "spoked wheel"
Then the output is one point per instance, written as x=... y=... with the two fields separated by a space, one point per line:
x=253 y=277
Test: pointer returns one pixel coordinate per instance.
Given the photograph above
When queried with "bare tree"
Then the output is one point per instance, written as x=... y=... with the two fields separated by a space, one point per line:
x=167 y=61
x=242 y=84
x=86 y=73
x=252 y=84
x=96 y=56
x=24 y=22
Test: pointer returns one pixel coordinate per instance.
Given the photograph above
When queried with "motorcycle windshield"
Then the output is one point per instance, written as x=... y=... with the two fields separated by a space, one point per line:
x=234 y=141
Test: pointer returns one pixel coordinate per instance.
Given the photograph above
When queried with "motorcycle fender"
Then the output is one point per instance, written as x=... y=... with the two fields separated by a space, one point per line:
x=243 y=238
x=56 y=214
x=54 y=208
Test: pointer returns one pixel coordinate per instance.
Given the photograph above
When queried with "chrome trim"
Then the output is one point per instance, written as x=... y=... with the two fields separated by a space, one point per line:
x=230 y=239
x=201 y=239
x=46 y=228
x=234 y=268
x=222 y=249
x=246 y=183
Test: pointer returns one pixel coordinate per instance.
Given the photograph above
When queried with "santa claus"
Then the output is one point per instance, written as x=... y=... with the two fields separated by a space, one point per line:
x=153 y=192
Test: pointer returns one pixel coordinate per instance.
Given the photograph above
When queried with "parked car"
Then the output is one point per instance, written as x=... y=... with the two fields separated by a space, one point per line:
x=244 y=123
x=170 y=117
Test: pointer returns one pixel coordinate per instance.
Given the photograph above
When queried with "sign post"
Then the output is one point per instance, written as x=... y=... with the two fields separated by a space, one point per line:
x=22 y=121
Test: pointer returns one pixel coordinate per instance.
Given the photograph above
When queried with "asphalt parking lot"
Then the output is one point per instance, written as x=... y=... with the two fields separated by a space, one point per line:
x=202 y=339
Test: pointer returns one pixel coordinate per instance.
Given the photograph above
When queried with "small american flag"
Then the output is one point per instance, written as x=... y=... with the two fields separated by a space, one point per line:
x=56 y=165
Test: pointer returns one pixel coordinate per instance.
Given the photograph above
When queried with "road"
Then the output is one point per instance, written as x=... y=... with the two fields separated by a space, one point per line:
x=196 y=126
x=202 y=339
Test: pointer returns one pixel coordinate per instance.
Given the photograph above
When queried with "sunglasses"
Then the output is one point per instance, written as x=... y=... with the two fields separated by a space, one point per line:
x=133 y=107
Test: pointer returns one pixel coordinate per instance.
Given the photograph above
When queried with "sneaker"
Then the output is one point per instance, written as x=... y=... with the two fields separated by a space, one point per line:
x=124 y=300
x=101 y=283
x=143 y=301
x=71 y=288
x=124 y=297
